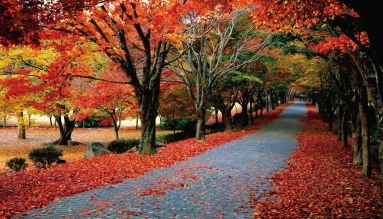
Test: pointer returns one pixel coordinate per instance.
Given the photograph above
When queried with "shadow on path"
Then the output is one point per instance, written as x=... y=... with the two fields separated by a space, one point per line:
x=219 y=183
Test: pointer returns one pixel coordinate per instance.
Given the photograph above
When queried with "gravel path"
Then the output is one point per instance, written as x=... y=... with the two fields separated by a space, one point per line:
x=219 y=183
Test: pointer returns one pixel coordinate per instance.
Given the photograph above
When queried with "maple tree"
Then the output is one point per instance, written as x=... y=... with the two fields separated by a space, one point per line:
x=174 y=102
x=46 y=76
x=355 y=19
x=212 y=52
x=249 y=85
x=224 y=97
x=22 y=19
x=341 y=51
x=333 y=46
x=18 y=81
x=113 y=100
x=133 y=35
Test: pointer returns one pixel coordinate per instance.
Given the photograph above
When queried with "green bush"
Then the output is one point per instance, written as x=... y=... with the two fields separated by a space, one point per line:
x=178 y=124
x=90 y=122
x=215 y=127
x=17 y=164
x=168 y=138
x=45 y=156
x=122 y=145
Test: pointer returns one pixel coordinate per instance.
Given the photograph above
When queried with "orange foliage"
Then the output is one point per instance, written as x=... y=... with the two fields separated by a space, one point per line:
x=288 y=15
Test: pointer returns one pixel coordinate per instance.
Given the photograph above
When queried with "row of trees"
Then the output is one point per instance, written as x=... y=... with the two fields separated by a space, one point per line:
x=344 y=33
x=201 y=49
x=203 y=42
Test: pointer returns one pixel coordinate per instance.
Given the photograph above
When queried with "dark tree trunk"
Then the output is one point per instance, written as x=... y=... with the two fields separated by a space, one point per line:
x=226 y=120
x=356 y=140
x=256 y=111
x=365 y=133
x=200 y=130
x=344 y=129
x=148 y=114
x=245 y=117
x=21 y=126
x=116 y=128
x=342 y=125
x=216 y=115
x=370 y=85
x=66 y=130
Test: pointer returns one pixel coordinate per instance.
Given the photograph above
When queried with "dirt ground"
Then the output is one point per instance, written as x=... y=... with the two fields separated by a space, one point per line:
x=42 y=133
x=11 y=146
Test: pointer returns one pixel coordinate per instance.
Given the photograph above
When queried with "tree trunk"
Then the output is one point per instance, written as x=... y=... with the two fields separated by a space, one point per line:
x=371 y=83
x=245 y=117
x=200 y=130
x=344 y=129
x=365 y=133
x=148 y=113
x=251 y=110
x=148 y=136
x=226 y=120
x=21 y=126
x=66 y=130
x=357 y=140
x=116 y=128
x=216 y=115
x=50 y=121
x=343 y=125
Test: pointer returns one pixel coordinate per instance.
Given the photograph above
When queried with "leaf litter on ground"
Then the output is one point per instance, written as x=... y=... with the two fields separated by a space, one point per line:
x=321 y=181
x=35 y=188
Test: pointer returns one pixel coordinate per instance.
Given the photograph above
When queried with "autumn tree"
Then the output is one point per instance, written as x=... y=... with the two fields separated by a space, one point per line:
x=354 y=19
x=21 y=20
x=175 y=103
x=134 y=35
x=248 y=83
x=211 y=53
x=112 y=99
x=224 y=96
x=19 y=80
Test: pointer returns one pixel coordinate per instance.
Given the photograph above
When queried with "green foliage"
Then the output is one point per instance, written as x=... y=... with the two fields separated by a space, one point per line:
x=122 y=145
x=168 y=138
x=90 y=122
x=17 y=163
x=215 y=127
x=178 y=124
x=45 y=156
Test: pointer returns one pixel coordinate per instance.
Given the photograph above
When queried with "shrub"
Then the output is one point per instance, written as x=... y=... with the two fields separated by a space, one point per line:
x=17 y=164
x=215 y=127
x=45 y=156
x=90 y=122
x=122 y=145
x=178 y=124
x=168 y=138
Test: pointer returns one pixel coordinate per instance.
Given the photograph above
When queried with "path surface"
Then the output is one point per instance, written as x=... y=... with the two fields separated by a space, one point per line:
x=216 y=184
